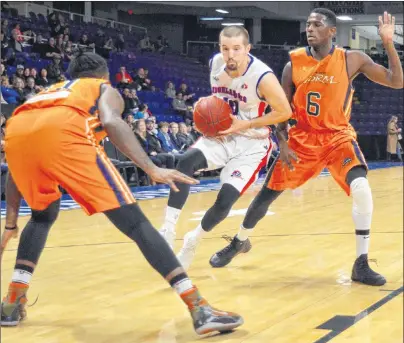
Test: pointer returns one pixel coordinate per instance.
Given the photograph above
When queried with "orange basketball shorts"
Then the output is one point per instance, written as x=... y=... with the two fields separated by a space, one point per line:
x=55 y=147
x=338 y=152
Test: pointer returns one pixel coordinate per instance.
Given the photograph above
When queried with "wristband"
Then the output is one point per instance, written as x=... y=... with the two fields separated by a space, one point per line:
x=10 y=228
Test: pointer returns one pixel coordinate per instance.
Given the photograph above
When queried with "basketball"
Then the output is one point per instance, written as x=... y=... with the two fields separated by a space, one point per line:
x=212 y=115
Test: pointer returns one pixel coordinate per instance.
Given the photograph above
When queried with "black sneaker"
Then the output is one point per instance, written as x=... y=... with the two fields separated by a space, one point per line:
x=206 y=318
x=224 y=256
x=361 y=272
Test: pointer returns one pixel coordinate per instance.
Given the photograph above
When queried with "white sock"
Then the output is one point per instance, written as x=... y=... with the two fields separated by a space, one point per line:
x=198 y=232
x=362 y=210
x=21 y=276
x=172 y=216
x=183 y=285
x=243 y=233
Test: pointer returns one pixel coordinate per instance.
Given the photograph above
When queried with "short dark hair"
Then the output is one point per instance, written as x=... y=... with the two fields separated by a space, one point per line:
x=328 y=14
x=87 y=64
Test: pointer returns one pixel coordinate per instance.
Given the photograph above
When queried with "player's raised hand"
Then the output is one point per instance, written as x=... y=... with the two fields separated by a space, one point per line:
x=236 y=126
x=386 y=27
x=6 y=236
x=286 y=155
x=169 y=176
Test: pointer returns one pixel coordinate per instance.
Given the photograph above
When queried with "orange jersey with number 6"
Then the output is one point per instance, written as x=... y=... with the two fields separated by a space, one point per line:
x=323 y=92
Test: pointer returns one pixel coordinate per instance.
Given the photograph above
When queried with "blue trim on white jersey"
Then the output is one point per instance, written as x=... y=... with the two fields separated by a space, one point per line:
x=258 y=83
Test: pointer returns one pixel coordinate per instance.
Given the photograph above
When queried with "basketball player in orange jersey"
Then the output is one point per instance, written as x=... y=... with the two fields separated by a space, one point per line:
x=318 y=83
x=247 y=84
x=53 y=139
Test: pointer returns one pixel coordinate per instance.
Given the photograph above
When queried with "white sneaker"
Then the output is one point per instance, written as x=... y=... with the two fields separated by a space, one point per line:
x=187 y=252
x=168 y=235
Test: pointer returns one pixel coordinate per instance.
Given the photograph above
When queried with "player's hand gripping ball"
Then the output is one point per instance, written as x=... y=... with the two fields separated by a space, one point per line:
x=212 y=115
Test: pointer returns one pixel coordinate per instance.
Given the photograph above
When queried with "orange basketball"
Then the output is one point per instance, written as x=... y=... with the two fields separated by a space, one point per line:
x=211 y=115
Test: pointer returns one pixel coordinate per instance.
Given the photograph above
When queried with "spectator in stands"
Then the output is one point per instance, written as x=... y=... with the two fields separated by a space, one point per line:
x=151 y=125
x=130 y=120
x=50 y=51
x=142 y=81
x=170 y=90
x=123 y=79
x=66 y=32
x=161 y=43
x=31 y=89
x=18 y=86
x=26 y=74
x=3 y=70
x=142 y=112
x=84 y=41
x=19 y=72
x=152 y=147
x=68 y=51
x=9 y=95
x=131 y=101
x=180 y=107
x=165 y=139
x=4 y=27
x=173 y=135
x=194 y=132
x=34 y=74
x=53 y=20
x=187 y=96
x=120 y=43
x=14 y=42
x=146 y=45
x=184 y=137
x=392 y=138
x=55 y=71
x=43 y=80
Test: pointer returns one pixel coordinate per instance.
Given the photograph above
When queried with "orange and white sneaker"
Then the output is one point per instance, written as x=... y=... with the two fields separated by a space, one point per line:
x=207 y=319
x=13 y=306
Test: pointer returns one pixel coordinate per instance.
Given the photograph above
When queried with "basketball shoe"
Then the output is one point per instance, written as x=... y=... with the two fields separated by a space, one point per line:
x=224 y=256
x=13 y=305
x=361 y=272
x=187 y=252
x=206 y=318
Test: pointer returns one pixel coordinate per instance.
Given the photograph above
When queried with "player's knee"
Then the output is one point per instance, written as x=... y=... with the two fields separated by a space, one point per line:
x=226 y=198
x=191 y=161
x=48 y=215
x=362 y=195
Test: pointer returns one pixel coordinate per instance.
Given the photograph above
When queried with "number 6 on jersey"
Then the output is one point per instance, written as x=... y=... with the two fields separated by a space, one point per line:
x=313 y=108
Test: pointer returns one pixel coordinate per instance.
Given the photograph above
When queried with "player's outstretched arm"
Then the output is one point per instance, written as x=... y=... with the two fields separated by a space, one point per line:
x=392 y=77
x=111 y=106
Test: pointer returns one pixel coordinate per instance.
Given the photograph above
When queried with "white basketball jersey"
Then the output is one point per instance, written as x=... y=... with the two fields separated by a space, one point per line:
x=241 y=93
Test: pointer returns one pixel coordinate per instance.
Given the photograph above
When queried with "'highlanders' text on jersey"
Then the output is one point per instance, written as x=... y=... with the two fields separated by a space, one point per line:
x=242 y=92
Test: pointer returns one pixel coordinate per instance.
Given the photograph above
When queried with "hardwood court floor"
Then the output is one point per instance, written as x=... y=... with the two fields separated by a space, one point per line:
x=95 y=287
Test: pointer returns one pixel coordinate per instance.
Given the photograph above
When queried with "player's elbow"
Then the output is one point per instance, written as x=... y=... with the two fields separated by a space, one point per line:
x=398 y=84
x=286 y=115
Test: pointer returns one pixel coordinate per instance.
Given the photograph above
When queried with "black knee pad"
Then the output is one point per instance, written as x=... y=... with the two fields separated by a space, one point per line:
x=355 y=172
x=226 y=198
x=49 y=215
x=191 y=161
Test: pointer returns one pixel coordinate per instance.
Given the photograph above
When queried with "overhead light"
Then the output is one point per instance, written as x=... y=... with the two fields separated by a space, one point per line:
x=211 y=18
x=231 y=24
x=222 y=11
x=344 y=17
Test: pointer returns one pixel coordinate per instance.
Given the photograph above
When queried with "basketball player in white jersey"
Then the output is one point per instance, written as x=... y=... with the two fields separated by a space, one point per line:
x=248 y=85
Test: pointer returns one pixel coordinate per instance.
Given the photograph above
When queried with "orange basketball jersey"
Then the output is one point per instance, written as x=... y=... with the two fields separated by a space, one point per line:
x=81 y=95
x=323 y=92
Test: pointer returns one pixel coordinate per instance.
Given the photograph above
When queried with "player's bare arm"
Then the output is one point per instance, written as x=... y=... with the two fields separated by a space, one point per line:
x=13 y=199
x=286 y=155
x=271 y=91
x=111 y=106
x=359 y=62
